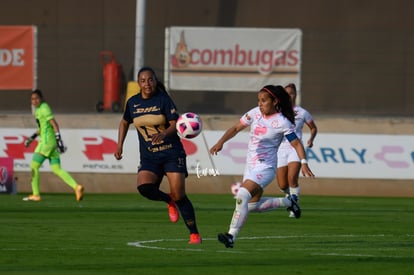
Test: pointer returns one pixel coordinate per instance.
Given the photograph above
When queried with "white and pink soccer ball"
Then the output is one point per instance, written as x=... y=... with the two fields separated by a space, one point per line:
x=235 y=186
x=189 y=125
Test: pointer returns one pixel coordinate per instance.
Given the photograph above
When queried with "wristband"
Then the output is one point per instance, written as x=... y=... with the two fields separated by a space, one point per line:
x=304 y=161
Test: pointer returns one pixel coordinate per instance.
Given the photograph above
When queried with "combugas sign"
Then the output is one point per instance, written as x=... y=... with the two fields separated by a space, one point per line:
x=231 y=59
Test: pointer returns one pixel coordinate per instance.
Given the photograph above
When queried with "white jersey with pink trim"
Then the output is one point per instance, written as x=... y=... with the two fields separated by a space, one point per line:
x=301 y=116
x=266 y=134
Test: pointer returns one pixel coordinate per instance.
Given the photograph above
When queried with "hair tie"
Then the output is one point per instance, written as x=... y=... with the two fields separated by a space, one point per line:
x=269 y=92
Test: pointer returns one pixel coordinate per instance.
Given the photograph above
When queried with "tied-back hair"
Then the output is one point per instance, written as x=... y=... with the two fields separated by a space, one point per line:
x=38 y=93
x=284 y=105
x=160 y=86
x=292 y=86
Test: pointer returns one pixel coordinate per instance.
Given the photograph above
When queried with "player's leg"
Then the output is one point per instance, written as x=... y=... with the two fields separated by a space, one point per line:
x=66 y=177
x=247 y=192
x=150 y=174
x=272 y=203
x=292 y=165
x=293 y=178
x=148 y=183
x=37 y=161
x=178 y=194
x=263 y=176
x=282 y=170
x=282 y=179
x=268 y=204
x=238 y=219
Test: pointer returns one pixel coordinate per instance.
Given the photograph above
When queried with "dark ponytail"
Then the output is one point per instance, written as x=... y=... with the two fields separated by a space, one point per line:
x=284 y=105
x=160 y=86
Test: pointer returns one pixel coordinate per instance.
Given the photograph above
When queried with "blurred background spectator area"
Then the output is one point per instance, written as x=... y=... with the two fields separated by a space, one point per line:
x=357 y=56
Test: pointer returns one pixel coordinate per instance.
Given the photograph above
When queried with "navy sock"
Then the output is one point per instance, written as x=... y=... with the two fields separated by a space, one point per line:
x=187 y=212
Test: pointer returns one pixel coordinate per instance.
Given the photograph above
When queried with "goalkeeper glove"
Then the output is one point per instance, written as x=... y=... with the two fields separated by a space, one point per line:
x=28 y=141
x=61 y=147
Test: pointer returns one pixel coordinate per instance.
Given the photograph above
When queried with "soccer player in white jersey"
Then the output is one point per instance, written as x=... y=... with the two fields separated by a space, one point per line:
x=288 y=164
x=269 y=123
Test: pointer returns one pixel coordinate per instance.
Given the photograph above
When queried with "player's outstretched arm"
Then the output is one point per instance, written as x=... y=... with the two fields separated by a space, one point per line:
x=231 y=132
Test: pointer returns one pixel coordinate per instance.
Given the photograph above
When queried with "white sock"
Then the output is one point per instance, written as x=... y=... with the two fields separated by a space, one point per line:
x=240 y=213
x=295 y=191
x=267 y=204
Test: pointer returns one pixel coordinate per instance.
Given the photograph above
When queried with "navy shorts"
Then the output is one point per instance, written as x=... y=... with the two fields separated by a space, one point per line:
x=162 y=165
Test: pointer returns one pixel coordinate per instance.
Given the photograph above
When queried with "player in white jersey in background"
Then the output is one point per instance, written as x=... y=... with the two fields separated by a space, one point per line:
x=269 y=123
x=289 y=163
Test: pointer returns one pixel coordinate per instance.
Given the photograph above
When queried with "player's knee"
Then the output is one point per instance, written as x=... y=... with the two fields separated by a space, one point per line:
x=148 y=190
x=34 y=165
x=243 y=196
x=55 y=169
x=34 y=172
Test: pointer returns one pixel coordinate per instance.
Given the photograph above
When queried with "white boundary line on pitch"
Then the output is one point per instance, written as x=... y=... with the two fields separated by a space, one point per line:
x=143 y=244
x=150 y=244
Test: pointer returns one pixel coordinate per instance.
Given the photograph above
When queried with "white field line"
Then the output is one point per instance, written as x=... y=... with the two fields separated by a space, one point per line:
x=157 y=244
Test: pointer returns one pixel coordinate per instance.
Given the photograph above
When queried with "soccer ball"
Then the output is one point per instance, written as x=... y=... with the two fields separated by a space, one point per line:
x=189 y=125
x=235 y=186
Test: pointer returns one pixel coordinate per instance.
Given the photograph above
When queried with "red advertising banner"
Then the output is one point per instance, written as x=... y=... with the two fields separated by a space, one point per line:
x=17 y=57
x=337 y=155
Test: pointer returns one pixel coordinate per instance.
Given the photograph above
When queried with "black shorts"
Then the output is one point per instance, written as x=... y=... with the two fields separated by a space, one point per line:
x=162 y=165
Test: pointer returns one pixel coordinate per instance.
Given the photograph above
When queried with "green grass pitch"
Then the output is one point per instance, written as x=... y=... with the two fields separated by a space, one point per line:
x=127 y=234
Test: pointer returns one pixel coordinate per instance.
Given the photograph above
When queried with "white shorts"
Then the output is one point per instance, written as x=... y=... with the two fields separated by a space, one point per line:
x=261 y=174
x=286 y=155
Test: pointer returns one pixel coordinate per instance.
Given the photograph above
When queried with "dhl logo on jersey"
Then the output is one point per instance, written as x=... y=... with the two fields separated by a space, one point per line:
x=147 y=110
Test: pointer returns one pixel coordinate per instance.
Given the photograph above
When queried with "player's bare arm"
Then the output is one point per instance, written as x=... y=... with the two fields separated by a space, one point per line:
x=302 y=155
x=231 y=132
x=122 y=132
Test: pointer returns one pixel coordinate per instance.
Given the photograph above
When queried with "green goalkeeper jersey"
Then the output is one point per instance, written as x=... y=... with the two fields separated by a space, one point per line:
x=43 y=115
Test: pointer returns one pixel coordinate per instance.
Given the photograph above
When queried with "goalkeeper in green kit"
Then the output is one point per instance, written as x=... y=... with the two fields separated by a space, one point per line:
x=50 y=147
